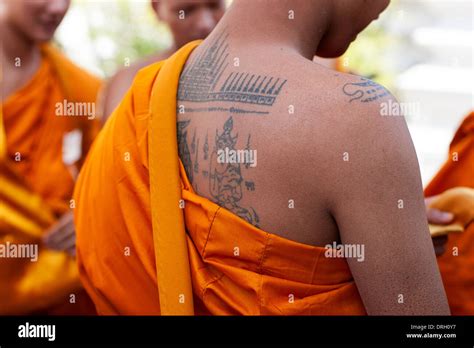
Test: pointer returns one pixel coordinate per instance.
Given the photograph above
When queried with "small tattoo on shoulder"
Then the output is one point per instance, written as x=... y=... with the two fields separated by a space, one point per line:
x=365 y=91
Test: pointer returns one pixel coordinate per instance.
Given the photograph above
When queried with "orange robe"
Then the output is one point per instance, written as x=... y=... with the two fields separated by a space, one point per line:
x=36 y=186
x=142 y=251
x=458 y=271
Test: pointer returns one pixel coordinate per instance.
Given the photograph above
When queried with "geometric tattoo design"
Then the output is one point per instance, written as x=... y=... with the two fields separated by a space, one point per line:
x=200 y=80
x=183 y=148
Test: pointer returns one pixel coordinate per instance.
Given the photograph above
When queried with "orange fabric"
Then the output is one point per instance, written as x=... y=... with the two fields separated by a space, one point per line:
x=169 y=236
x=36 y=186
x=116 y=250
x=457 y=270
x=36 y=134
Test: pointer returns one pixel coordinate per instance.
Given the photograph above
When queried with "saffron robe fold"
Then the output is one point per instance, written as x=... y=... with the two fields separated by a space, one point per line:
x=139 y=252
x=457 y=270
x=36 y=186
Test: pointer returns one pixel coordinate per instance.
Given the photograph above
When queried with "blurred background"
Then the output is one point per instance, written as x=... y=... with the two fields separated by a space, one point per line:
x=422 y=50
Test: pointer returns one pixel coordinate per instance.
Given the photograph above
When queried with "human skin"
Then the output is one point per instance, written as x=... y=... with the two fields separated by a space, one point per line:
x=330 y=167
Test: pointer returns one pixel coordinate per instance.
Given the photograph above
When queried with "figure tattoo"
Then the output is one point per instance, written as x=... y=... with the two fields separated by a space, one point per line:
x=250 y=185
x=209 y=78
x=247 y=147
x=193 y=143
x=206 y=148
x=225 y=179
x=366 y=91
x=183 y=148
x=196 y=160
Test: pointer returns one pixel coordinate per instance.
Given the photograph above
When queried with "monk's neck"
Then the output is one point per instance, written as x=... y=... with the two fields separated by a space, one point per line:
x=291 y=25
x=20 y=59
x=17 y=50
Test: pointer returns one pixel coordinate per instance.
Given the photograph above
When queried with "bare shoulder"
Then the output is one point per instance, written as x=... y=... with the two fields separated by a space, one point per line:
x=346 y=128
x=126 y=75
x=343 y=106
x=347 y=91
x=123 y=78
x=116 y=88
x=119 y=83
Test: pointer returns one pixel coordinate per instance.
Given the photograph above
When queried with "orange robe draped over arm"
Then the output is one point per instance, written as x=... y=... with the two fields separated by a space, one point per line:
x=457 y=270
x=140 y=252
x=36 y=186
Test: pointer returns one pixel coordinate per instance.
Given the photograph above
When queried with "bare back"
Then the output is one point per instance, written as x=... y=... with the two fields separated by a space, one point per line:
x=306 y=153
x=243 y=139
x=118 y=85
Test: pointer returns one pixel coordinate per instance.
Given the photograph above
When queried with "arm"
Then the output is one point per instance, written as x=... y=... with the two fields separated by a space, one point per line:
x=379 y=204
x=62 y=235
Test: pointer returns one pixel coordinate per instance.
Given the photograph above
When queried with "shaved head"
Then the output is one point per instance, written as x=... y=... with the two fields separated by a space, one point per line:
x=189 y=20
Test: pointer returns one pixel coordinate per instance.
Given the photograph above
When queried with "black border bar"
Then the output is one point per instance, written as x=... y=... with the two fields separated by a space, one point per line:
x=141 y=330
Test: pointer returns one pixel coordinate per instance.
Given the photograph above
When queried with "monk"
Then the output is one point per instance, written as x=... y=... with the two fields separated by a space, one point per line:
x=47 y=124
x=457 y=263
x=188 y=20
x=237 y=177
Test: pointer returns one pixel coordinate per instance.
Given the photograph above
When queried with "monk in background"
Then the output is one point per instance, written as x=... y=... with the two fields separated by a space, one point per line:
x=457 y=262
x=47 y=124
x=235 y=175
x=200 y=17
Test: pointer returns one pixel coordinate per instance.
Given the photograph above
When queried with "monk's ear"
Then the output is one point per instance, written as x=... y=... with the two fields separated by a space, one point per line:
x=155 y=4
